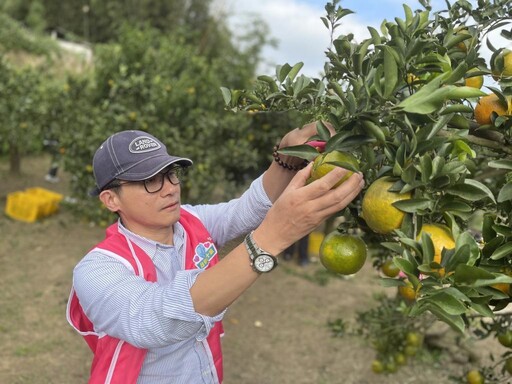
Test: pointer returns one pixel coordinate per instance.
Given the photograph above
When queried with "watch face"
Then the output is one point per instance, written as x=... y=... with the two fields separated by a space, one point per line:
x=264 y=263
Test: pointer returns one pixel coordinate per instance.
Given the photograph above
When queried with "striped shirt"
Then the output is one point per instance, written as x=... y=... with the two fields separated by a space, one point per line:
x=160 y=317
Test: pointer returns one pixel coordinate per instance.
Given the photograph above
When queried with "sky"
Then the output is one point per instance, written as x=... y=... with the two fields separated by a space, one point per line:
x=302 y=36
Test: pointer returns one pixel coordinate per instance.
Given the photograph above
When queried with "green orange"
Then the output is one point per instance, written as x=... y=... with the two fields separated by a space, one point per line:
x=327 y=161
x=342 y=253
x=474 y=377
x=390 y=269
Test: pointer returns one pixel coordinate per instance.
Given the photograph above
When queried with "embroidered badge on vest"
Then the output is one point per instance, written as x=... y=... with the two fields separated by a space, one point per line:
x=204 y=253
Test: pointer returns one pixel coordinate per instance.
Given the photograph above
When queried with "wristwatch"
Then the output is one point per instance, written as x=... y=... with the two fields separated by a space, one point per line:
x=261 y=261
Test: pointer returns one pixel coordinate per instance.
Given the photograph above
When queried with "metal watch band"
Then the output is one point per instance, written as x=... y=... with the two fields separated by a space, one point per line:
x=254 y=251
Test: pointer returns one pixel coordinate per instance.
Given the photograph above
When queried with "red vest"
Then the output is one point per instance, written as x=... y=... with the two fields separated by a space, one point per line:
x=116 y=361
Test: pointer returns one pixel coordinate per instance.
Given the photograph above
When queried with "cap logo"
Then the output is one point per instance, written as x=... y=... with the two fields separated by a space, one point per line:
x=143 y=144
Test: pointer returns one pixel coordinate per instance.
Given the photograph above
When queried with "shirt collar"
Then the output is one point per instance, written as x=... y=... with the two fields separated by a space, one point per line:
x=150 y=246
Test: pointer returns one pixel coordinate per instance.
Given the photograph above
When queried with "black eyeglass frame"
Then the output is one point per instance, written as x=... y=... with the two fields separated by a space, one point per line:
x=177 y=171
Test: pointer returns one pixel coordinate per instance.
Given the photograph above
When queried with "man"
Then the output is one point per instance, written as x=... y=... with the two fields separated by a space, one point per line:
x=149 y=299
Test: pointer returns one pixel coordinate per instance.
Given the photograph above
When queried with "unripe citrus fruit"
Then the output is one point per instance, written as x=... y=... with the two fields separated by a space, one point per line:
x=488 y=104
x=377 y=366
x=410 y=350
x=400 y=358
x=413 y=339
x=508 y=365
x=377 y=209
x=441 y=238
x=505 y=339
x=389 y=268
x=343 y=254
x=474 y=377
x=323 y=164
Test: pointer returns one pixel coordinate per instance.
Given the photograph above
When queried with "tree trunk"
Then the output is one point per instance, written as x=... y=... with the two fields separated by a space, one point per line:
x=14 y=159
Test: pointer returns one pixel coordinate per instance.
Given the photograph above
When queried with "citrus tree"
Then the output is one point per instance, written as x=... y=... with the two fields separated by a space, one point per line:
x=433 y=146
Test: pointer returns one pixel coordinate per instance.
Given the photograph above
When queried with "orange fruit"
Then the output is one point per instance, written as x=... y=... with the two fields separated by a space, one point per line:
x=400 y=358
x=411 y=79
x=343 y=254
x=377 y=366
x=322 y=164
x=474 y=81
x=503 y=287
x=474 y=377
x=505 y=339
x=389 y=268
x=377 y=209
x=506 y=56
x=508 y=365
x=407 y=291
x=488 y=104
x=413 y=339
x=441 y=238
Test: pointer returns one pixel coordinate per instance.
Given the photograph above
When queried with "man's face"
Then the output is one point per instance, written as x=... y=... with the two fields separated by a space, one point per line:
x=146 y=213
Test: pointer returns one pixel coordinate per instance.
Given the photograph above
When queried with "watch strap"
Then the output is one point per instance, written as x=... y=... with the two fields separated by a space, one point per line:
x=254 y=250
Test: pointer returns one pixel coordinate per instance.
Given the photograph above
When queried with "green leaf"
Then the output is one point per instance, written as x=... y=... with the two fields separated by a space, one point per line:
x=439 y=124
x=427 y=247
x=427 y=100
x=404 y=265
x=282 y=71
x=448 y=303
x=471 y=190
x=463 y=92
x=226 y=95
x=374 y=130
x=413 y=205
x=505 y=193
x=390 y=72
x=468 y=274
x=456 y=322
x=270 y=81
x=482 y=309
x=392 y=246
x=502 y=251
x=303 y=151
x=388 y=282
x=501 y=164
x=456 y=108
x=472 y=253
x=295 y=70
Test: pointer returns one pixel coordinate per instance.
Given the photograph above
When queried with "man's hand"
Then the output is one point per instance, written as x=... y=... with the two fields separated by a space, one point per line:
x=301 y=208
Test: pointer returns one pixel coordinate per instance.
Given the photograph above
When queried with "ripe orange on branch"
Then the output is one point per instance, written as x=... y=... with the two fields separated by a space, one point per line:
x=324 y=163
x=441 y=238
x=474 y=81
x=506 y=57
x=488 y=104
x=342 y=253
x=377 y=209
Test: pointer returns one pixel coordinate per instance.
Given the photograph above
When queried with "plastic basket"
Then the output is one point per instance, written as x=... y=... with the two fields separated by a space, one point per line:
x=32 y=204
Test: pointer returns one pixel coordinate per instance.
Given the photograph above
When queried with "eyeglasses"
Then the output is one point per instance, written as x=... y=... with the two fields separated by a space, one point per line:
x=156 y=183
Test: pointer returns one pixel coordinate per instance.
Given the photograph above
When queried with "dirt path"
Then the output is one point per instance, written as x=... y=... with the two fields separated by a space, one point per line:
x=276 y=333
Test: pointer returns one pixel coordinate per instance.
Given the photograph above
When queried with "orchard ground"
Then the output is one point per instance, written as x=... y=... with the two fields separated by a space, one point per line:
x=277 y=332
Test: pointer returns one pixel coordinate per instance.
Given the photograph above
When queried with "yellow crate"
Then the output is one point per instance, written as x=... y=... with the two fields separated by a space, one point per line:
x=51 y=199
x=32 y=204
x=315 y=240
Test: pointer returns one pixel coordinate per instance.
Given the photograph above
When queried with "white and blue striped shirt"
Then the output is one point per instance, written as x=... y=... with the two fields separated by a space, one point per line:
x=160 y=317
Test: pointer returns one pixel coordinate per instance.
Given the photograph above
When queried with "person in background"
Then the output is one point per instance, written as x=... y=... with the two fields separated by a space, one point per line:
x=150 y=298
x=301 y=247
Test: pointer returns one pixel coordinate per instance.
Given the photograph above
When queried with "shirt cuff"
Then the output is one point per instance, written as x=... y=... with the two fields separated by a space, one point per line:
x=259 y=192
x=177 y=304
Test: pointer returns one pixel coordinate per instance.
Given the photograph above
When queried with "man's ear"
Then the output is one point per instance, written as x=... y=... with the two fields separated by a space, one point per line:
x=110 y=200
